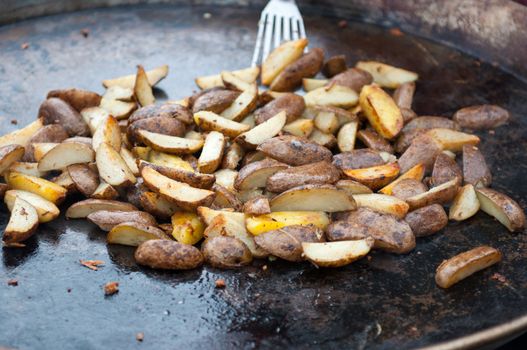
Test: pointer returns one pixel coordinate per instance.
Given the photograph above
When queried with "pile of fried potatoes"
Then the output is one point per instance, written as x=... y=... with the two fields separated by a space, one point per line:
x=245 y=173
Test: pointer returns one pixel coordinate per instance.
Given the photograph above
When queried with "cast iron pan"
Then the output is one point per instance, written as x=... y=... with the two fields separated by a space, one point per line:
x=384 y=302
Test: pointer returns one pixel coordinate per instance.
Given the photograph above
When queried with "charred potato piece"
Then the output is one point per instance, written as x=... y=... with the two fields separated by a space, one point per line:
x=187 y=228
x=431 y=122
x=441 y=194
x=168 y=255
x=481 y=117
x=374 y=177
x=465 y=204
x=381 y=111
x=313 y=198
x=475 y=168
x=465 y=264
x=161 y=125
x=336 y=254
x=214 y=100
x=176 y=111
x=445 y=169
x=423 y=150
x=427 y=220
x=255 y=174
x=280 y=58
x=56 y=111
x=22 y=224
x=226 y=252
x=292 y=104
x=374 y=141
x=502 y=207
x=10 y=154
x=407 y=188
x=257 y=206
x=309 y=174
x=357 y=159
x=306 y=66
x=404 y=94
x=294 y=150
x=352 y=78
x=334 y=65
x=107 y=219
x=86 y=180
x=77 y=98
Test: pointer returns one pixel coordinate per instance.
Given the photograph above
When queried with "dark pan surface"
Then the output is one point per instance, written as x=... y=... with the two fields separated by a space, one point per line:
x=385 y=302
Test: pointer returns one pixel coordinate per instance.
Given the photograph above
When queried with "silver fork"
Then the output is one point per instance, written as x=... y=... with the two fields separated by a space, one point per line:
x=280 y=21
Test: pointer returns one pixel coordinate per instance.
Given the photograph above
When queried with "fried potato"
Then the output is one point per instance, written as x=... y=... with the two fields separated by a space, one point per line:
x=336 y=254
x=27 y=168
x=309 y=84
x=441 y=194
x=352 y=187
x=346 y=136
x=190 y=177
x=231 y=81
x=431 y=122
x=226 y=252
x=357 y=159
x=323 y=139
x=85 y=179
x=214 y=100
x=501 y=207
x=372 y=140
x=212 y=152
x=65 y=154
x=405 y=139
x=44 y=188
x=382 y=112
x=334 y=95
x=386 y=75
x=374 y=177
x=382 y=203
x=134 y=233
x=445 y=169
x=168 y=160
x=225 y=199
x=262 y=132
x=84 y=208
x=108 y=219
x=40 y=149
x=112 y=168
x=352 y=78
x=255 y=174
x=10 y=154
x=142 y=88
x=327 y=122
x=276 y=220
x=226 y=178
x=475 y=168
x=170 y=144
x=154 y=76
x=22 y=224
x=77 y=98
x=465 y=204
x=292 y=104
x=119 y=93
x=157 y=205
x=407 y=188
x=452 y=140
x=46 y=210
x=233 y=155
x=168 y=255
x=251 y=157
x=248 y=75
x=294 y=150
x=187 y=228
x=408 y=114
x=423 y=150
x=310 y=174
x=209 y=121
x=64 y=180
x=427 y=220
x=313 y=198
x=481 y=117
x=417 y=172
x=108 y=131
x=93 y=116
x=257 y=206
x=161 y=125
x=280 y=58
x=130 y=160
x=21 y=136
x=105 y=191
x=306 y=66
x=53 y=133
x=118 y=109
x=175 y=111
x=243 y=105
x=334 y=65
x=404 y=94
x=465 y=264
x=56 y=111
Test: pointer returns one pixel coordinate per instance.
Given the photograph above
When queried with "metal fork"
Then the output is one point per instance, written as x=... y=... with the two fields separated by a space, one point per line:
x=280 y=21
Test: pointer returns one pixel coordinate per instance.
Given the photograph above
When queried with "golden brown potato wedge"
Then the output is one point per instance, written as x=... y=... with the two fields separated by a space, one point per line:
x=465 y=264
x=212 y=152
x=56 y=111
x=441 y=194
x=407 y=188
x=262 y=132
x=465 y=204
x=105 y=191
x=481 y=117
x=77 y=98
x=194 y=179
x=226 y=252
x=108 y=219
x=301 y=127
x=134 y=233
x=142 y=88
x=334 y=95
x=306 y=66
x=108 y=131
x=187 y=228
x=475 y=168
x=130 y=160
x=233 y=82
x=404 y=95
x=112 y=168
x=225 y=199
x=280 y=58
x=168 y=255
x=154 y=76
x=374 y=177
x=313 y=198
x=209 y=121
x=382 y=112
x=502 y=207
x=292 y=104
x=386 y=75
x=22 y=224
x=93 y=116
x=294 y=150
x=258 y=205
x=327 y=122
x=352 y=187
x=336 y=254
x=44 y=188
x=373 y=140
x=46 y=210
x=226 y=178
x=309 y=84
x=276 y=220
x=157 y=205
x=417 y=172
x=310 y=174
x=170 y=144
x=119 y=93
x=243 y=105
x=84 y=208
x=65 y=154
x=427 y=220
x=255 y=174
x=382 y=203
x=248 y=75
x=21 y=136
x=85 y=179
x=452 y=140
x=10 y=154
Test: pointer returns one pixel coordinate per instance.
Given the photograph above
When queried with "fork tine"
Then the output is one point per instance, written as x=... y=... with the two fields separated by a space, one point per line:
x=268 y=37
x=295 y=34
x=259 y=37
x=277 y=31
x=287 y=29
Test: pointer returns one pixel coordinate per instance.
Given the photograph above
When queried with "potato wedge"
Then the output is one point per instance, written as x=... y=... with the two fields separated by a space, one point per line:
x=352 y=187
x=404 y=95
x=40 y=149
x=187 y=228
x=108 y=219
x=65 y=154
x=352 y=78
x=233 y=155
x=52 y=133
x=247 y=195
x=181 y=174
x=336 y=254
x=77 y=98
x=172 y=110
x=258 y=205
x=93 y=116
x=214 y=100
x=142 y=88
x=212 y=152
x=108 y=131
x=358 y=159
x=417 y=172
x=481 y=117
x=327 y=122
x=335 y=95
x=119 y=93
x=452 y=140
x=441 y=194
x=112 y=168
x=56 y=111
x=46 y=210
x=407 y=188
x=259 y=224
x=27 y=168
x=427 y=220
x=180 y=193
x=44 y=188
x=84 y=208
x=374 y=177
x=423 y=150
x=225 y=199
x=168 y=255
x=170 y=144
x=22 y=224
x=461 y=266
x=118 y=109
x=134 y=233
x=157 y=205
x=382 y=203
x=280 y=58
x=310 y=84
x=243 y=105
x=294 y=150
x=226 y=252
x=130 y=160
x=10 y=154
x=21 y=136
x=306 y=66
x=386 y=75
x=431 y=122
x=347 y=136
x=248 y=75
x=301 y=127
x=168 y=160
x=313 y=198
x=226 y=178
x=445 y=169
x=310 y=174
x=255 y=174
x=334 y=65
x=465 y=204
x=475 y=168
x=86 y=180
x=161 y=125
x=501 y=207
x=292 y=104
x=154 y=76
x=209 y=121
x=64 y=180
x=262 y=132
x=372 y=140
x=105 y=191
x=382 y=112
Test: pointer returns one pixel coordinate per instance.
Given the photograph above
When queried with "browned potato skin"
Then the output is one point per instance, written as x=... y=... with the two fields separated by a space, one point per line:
x=408 y=188
x=334 y=65
x=248 y=169
x=179 y=112
x=372 y=140
x=423 y=149
x=214 y=100
x=390 y=234
x=431 y=122
x=225 y=199
x=226 y=252
x=292 y=104
x=475 y=168
x=77 y=98
x=508 y=205
x=357 y=159
x=106 y=220
x=294 y=150
x=286 y=243
x=168 y=255
x=309 y=174
x=481 y=117
x=407 y=114
x=306 y=66
x=445 y=273
x=354 y=78
x=133 y=193
x=194 y=179
x=405 y=139
x=161 y=125
x=50 y=133
x=339 y=112
x=56 y=111
x=445 y=196
x=445 y=169
x=251 y=157
x=257 y=206
x=404 y=95
x=427 y=220
x=86 y=180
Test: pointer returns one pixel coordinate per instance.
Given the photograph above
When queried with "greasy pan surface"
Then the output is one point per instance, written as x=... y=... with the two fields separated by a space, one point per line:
x=386 y=302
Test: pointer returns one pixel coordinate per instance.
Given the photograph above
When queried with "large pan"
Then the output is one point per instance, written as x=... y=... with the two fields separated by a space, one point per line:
x=384 y=302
